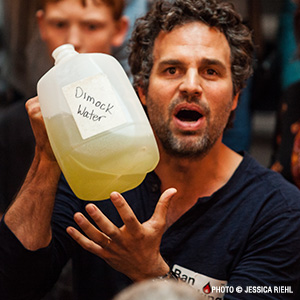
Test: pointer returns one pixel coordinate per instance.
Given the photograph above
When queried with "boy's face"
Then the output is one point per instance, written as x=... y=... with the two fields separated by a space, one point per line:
x=90 y=29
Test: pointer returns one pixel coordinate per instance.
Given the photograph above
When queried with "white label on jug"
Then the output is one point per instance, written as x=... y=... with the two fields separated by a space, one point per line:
x=94 y=105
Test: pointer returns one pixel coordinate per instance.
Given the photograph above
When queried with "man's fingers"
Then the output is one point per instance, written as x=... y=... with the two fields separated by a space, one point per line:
x=103 y=223
x=38 y=127
x=34 y=112
x=85 y=242
x=125 y=212
x=160 y=213
x=90 y=230
x=33 y=107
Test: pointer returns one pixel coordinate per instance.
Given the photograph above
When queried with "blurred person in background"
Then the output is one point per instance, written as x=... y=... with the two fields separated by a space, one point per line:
x=286 y=155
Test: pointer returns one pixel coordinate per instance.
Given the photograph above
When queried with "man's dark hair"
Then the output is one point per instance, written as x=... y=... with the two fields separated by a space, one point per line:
x=167 y=14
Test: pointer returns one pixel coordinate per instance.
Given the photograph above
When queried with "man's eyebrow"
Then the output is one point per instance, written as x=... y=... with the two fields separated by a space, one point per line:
x=203 y=62
x=213 y=62
x=169 y=62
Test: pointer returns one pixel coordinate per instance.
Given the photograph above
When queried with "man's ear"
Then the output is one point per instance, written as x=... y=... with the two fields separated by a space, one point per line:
x=40 y=17
x=142 y=95
x=122 y=27
x=235 y=101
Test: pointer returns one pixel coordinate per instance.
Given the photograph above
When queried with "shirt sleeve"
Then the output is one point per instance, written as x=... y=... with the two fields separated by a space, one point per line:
x=26 y=274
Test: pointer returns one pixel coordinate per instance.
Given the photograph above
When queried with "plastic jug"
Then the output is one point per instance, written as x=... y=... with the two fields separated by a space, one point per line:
x=96 y=125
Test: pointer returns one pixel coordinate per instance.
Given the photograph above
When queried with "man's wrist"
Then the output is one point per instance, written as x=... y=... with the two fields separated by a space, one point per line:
x=169 y=275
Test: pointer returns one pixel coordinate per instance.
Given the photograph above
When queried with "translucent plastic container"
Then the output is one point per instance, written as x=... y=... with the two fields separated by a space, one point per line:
x=97 y=127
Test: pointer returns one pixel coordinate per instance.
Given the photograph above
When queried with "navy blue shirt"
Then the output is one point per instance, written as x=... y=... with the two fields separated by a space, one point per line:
x=247 y=234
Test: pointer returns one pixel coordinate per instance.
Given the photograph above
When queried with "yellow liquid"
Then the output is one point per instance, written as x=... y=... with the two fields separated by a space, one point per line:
x=104 y=163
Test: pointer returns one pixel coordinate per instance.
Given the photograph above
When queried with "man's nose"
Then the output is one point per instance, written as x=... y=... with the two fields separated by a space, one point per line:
x=191 y=83
x=74 y=37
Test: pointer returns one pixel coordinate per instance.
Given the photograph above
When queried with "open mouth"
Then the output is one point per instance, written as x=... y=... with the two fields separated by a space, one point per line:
x=186 y=115
x=189 y=117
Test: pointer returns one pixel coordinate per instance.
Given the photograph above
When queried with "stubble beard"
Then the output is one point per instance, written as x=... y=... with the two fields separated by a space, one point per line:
x=186 y=144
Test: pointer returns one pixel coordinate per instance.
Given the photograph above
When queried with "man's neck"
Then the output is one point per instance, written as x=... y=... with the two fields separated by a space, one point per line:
x=195 y=178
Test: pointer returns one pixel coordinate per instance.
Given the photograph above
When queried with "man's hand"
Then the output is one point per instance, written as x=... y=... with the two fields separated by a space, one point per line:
x=132 y=249
x=38 y=127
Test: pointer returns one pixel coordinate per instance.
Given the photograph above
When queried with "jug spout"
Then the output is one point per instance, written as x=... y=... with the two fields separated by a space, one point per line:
x=63 y=53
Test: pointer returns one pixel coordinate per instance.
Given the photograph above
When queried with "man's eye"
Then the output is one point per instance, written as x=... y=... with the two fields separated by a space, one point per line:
x=211 y=72
x=171 y=70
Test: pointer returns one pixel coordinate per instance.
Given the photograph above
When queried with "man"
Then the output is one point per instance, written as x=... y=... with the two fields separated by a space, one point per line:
x=91 y=26
x=221 y=221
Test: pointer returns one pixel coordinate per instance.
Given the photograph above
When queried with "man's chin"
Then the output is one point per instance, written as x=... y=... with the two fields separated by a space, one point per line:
x=188 y=150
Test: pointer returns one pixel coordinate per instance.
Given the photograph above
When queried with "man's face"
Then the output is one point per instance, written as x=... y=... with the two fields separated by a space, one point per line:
x=190 y=94
x=90 y=29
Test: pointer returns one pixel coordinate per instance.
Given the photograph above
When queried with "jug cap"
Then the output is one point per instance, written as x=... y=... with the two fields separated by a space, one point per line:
x=63 y=52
